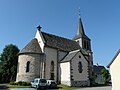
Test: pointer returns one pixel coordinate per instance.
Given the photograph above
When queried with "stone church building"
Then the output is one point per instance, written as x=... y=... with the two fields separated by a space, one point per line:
x=67 y=61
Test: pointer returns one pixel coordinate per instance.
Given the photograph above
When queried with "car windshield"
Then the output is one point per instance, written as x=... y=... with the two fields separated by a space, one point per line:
x=43 y=81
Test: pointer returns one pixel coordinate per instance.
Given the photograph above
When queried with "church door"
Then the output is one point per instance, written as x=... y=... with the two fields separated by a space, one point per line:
x=52 y=76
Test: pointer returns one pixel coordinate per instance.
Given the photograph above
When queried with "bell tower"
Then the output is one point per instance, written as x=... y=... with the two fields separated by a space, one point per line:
x=81 y=37
x=85 y=43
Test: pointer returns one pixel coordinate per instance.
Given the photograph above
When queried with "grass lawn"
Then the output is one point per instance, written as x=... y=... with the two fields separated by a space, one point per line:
x=64 y=87
x=17 y=86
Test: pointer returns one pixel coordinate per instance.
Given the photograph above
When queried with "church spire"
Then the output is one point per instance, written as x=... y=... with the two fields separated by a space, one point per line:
x=80 y=31
x=81 y=37
x=80 y=27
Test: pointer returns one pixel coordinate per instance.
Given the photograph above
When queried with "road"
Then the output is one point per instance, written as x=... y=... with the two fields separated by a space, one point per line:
x=90 y=88
x=97 y=88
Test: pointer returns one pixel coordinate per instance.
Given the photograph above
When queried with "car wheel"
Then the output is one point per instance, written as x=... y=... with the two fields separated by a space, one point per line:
x=36 y=87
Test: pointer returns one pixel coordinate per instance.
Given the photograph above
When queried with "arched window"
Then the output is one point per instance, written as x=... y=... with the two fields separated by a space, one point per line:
x=28 y=66
x=78 y=42
x=85 y=45
x=88 y=45
x=18 y=67
x=52 y=70
x=80 y=67
x=52 y=65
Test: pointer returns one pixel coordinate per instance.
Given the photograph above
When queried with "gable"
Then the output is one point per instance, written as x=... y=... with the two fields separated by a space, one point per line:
x=116 y=55
x=116 y=62
x=79 y=67
x=40 y=39
x=72 y=54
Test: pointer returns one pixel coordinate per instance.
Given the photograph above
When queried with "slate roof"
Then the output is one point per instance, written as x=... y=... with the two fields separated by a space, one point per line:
x=98 y=69
x=113 y=58
x=60 y=42
x=32 y=47
x=69 y=56
x=80 y=36
x=80 y=33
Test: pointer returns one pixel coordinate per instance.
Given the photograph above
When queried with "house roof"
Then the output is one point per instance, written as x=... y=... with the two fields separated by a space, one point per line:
x=113 y=58
x=98 y=69
x=60 y=42
x=70 y=56
x=32 y=47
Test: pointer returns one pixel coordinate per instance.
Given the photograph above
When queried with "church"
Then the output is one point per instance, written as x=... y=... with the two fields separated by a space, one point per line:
x=67 y=61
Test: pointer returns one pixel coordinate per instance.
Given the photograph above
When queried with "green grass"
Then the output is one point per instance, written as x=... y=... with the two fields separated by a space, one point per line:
x=17 y=86
x=64 y=87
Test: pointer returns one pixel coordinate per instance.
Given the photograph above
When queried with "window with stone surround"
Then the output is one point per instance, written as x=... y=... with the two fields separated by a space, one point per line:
x=52 y=65
x=52 y=70
x=80 y=67
x=28 y=66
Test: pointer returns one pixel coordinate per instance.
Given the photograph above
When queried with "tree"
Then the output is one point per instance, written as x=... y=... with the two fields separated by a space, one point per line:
x=106 y=75
x=8 y=63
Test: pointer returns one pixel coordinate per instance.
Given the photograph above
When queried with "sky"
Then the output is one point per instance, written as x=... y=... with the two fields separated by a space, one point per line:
x=100 y=18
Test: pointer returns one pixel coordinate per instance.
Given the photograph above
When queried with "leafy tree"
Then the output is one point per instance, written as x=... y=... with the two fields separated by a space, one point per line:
x=8 y=63
x=106 y=75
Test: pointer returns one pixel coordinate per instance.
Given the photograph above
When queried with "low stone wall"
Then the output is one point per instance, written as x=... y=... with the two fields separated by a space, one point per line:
x=80 y=83
x=76 y=83
x=26 y=77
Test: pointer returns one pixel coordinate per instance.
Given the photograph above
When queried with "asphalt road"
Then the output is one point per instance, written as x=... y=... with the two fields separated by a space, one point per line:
x=90 y=88
x=97 y=88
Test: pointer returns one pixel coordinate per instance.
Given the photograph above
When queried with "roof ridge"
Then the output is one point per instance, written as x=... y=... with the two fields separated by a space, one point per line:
x=58 y=36
x=59 y=42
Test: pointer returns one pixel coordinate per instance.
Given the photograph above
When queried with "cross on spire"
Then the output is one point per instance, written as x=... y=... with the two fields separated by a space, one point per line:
x=79 y=11
x=80 y=25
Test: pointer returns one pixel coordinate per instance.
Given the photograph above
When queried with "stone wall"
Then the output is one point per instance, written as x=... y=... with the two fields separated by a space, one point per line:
x=51 y=55
x=34 y=69
x=75 y=74
x=80 y=83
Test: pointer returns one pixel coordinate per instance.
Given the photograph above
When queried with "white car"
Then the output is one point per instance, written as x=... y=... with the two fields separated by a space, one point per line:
x=39 y=83
x=51 y=84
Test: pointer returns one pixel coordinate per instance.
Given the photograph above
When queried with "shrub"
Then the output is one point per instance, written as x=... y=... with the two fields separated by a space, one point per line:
x=26 y=83
x=12 y=83
x=19 y=83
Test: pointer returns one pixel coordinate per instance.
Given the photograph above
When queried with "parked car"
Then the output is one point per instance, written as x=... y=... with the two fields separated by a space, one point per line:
x=39 y=83
x=51 y=84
